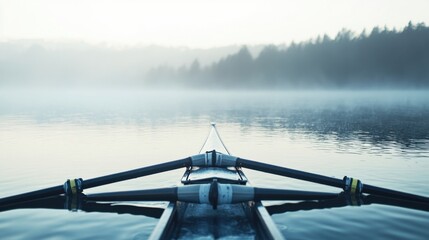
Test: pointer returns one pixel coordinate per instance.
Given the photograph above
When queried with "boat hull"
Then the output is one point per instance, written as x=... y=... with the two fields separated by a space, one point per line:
x=247 y=220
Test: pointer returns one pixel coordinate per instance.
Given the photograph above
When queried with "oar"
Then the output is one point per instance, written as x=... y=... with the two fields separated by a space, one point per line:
x=213 y=193
x=351 y=185
x=77 y=185
x=348 y=184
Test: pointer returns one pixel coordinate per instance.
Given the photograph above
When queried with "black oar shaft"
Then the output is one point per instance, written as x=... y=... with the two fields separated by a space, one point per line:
x=140 y=172
x=160 y=194
x=99 y=181
x=393 y=194
x=316 y=178
x=280 y=194
x=47 y=192
x=292 y=173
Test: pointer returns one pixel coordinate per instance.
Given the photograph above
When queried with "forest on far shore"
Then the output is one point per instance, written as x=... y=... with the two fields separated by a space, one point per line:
x=382 y=58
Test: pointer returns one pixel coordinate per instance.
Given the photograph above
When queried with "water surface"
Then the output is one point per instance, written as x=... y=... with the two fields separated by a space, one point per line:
x=48 y=136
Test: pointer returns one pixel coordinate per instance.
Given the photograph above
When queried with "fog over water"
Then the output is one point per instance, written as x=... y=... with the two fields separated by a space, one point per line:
x=377 y=114
x=49 y=135
x=37 y=63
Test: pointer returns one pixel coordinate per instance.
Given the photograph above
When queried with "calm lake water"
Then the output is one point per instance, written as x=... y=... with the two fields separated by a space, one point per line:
x=48 y=136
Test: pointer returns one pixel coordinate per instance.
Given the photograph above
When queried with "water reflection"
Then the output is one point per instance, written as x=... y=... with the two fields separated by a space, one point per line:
x=377 y=118
x=369 y=120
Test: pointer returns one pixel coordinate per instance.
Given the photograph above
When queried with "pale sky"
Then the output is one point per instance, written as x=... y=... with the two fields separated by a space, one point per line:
x=199 y=23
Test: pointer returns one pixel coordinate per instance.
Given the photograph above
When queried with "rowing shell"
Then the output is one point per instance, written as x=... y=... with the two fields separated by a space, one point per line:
x=191 y=220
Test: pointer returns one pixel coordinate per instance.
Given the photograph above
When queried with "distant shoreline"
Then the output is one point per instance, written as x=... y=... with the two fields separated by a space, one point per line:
x=381 y=59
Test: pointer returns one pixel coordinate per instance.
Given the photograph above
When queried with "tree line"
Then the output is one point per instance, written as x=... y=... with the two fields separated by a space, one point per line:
x=381 y=58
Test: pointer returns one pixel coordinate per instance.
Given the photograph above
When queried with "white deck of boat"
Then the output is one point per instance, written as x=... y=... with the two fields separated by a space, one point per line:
x=201 y=221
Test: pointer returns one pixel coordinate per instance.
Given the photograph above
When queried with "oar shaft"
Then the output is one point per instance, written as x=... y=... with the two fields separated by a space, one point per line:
x=160 y=194
x=334 y=182
x=140 y=172
x=280 y=194
x=47 y=192
x=99 y=181
x=287 y=172
x=393 y=194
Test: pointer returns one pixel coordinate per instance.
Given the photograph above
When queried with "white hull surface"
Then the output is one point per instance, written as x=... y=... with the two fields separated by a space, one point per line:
x=248 y=220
